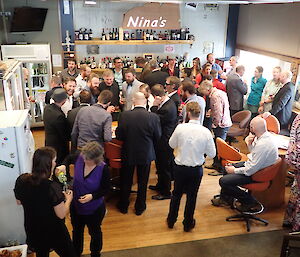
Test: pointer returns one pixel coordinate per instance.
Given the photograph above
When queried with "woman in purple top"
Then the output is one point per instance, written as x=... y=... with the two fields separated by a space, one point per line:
x=91 y=183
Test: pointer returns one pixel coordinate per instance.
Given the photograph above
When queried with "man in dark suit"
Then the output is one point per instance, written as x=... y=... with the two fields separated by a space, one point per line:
x=283 y=100
x=84 y=100
x=55 y=83
x=165 y=108
x=57 y=131
x=172 y=85
x=138 y=129
x=236 y=89
x=171 y=69
x=156 y=76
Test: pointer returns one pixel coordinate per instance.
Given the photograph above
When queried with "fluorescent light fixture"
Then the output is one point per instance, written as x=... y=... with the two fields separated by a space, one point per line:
x=90 y=2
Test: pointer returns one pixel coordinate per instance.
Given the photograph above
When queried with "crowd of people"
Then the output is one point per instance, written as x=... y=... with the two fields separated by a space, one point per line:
x=159 y=110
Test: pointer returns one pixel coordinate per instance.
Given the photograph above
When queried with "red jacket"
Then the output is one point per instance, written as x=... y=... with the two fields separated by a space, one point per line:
x=219 y=85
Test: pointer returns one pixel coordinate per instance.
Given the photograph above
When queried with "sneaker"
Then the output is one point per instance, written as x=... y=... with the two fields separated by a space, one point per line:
x=219 y=202
x=216 y=173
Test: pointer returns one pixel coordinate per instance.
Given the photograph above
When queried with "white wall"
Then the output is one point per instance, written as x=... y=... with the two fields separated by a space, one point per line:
x=270 y=27
x=206 y=25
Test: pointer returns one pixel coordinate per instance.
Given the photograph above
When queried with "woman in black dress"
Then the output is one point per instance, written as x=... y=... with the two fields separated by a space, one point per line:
x=45 y=207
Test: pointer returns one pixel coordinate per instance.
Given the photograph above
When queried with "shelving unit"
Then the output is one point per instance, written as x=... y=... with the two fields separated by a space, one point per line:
x=97 y=41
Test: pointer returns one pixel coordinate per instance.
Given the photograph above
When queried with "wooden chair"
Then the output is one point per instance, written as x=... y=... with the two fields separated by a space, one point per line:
x=273 y=124
x=262 y=181
x=113 y=156
x=228 y=154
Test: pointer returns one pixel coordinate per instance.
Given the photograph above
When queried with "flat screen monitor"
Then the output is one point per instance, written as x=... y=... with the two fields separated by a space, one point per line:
x=28 y=19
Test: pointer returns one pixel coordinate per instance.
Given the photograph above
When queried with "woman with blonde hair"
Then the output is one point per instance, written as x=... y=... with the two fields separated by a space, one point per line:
x=91 y=183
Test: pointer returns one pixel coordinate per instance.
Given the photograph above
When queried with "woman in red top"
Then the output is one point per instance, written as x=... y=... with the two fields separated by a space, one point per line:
x=205 y=71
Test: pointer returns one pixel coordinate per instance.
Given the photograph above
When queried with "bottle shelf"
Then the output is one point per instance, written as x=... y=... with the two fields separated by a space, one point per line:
x=132 y=42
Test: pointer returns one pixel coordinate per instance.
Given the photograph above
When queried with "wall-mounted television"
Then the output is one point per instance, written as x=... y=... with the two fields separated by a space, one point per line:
x=28 y=19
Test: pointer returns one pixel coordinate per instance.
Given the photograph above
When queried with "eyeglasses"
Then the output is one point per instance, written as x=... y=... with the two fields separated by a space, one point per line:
x=168 y=84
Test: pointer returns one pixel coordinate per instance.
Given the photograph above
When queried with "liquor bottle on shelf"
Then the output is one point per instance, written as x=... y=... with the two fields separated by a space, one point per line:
x=76 y=34
x=182 y=34
x=132 y=36
x=110 y=63
x=187 y=34
x=107 y=34
x=151 y=35
x=117 y=34
x=86 y=34
x=126 y=35
x=147 y=35
x=80 y=36
x=178 y=35
x=93 y=63
x=103 y=35
x=110 y=35
x=139 y=34
x=90 y=34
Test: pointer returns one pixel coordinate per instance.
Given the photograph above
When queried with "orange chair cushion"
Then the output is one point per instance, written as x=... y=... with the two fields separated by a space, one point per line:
x=273 y=124
x=268 y=173
x=227 y=152
x=257 y=186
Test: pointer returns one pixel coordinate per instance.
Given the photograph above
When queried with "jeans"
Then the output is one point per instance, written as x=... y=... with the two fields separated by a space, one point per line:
x=221 y=133
x=230 y=187
x=186 y=179
x=93 y=223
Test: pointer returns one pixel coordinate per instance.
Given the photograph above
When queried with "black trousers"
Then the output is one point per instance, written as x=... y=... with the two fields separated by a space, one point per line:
x=93 y=222
x=126 y=177
x=188 y=179
x=164 y=164
x=61 y=243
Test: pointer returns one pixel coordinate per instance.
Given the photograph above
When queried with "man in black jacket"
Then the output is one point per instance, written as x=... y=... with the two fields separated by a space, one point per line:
x=138 y=129
x=171 y=69
x=57 y=131
x=110 y=84
x=172 y=85
x=166 y=109
x=55 y=83
x=156 y=76
x=283 y=100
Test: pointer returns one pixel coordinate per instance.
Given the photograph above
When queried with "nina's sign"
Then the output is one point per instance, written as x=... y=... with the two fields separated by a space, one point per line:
x=153 y=16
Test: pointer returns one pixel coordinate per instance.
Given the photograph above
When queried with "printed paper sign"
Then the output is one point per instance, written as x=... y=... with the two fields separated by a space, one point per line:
x=169 y=49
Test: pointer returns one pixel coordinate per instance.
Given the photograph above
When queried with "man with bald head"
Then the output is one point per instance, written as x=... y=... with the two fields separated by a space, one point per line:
x=263 y=153
x=139 y=130
x=283 y=100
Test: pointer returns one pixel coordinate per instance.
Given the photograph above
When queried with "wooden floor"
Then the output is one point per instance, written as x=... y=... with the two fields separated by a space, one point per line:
x=130 y=231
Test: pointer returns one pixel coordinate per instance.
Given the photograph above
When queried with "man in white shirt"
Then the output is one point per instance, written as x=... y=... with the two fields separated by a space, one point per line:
x=81 y=80
x=145 y=89
x=192 y=141
x=69 y=85
x=263 y=153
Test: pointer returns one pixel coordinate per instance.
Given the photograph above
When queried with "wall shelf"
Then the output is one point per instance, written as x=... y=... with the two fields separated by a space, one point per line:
x=132 y=42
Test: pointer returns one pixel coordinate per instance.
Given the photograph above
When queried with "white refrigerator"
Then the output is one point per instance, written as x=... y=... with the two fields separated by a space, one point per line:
x=36 y=58
x=17 y=148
